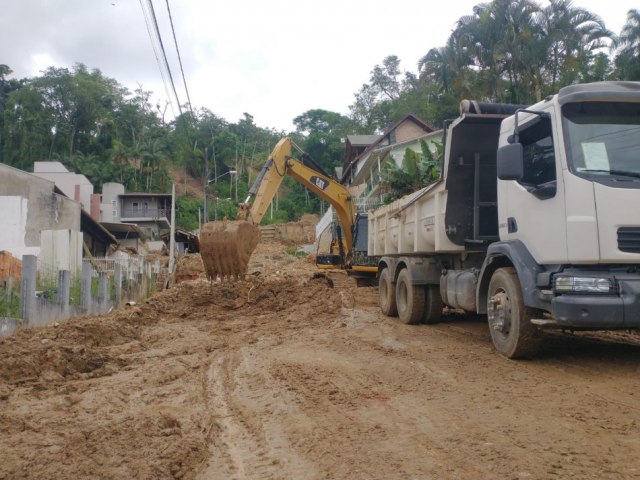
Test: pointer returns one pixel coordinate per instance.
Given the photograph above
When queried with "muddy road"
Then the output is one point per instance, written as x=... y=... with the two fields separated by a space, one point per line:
x=285 y=376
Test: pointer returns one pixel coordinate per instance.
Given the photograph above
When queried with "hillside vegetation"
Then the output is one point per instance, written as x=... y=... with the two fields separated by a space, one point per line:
x=503 y=51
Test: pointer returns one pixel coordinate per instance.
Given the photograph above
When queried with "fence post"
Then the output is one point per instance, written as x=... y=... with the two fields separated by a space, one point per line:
x=102 y=291
x=117 y=273
x=28 y=289
x=85 y=291
x=64 y=291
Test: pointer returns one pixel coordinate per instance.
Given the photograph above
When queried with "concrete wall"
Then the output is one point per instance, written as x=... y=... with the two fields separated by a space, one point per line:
x=296 y=232
x=61 y=249
x=12 y=235
x=73 y=185
x=29 y=205
x=110 y=204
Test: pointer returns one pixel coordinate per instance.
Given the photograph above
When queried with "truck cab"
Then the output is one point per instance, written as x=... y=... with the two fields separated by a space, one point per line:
x=568 y=211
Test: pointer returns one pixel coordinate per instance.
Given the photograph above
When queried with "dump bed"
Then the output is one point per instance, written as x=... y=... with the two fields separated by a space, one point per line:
x=457 y=213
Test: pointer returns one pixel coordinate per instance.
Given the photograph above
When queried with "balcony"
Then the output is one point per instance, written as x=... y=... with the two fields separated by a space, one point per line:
x=146 y=213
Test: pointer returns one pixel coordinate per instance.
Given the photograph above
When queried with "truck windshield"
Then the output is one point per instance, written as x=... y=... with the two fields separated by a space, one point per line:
x=603 y=138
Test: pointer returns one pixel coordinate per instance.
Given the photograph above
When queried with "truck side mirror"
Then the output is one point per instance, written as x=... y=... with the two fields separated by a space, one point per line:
x=510 y=163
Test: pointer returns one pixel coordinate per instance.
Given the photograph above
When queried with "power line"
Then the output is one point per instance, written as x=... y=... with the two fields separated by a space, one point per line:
x=155 y=52
x=164 y=53
x=175 y=41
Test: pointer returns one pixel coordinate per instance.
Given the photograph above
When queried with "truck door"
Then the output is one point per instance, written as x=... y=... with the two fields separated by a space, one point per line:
x=532 y=209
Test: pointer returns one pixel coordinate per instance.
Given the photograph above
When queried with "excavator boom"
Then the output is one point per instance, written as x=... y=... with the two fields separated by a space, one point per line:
x=227 y=246
x=281 y=163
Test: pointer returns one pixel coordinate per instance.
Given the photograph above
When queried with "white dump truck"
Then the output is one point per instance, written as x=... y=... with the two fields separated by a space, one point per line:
x=535 y=220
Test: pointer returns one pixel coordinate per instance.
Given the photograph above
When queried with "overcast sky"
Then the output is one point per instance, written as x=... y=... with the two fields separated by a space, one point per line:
x=273 y=59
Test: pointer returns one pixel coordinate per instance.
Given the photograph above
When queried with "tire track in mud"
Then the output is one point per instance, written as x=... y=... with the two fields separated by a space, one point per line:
x=247 y=410
x=476 y=421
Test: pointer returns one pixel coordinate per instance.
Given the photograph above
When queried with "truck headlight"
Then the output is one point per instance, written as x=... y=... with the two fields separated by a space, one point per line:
x=571 y=284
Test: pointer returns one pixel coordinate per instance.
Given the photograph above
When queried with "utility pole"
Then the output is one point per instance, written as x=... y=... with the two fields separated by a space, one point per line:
x=206 y=186
x=172 y=239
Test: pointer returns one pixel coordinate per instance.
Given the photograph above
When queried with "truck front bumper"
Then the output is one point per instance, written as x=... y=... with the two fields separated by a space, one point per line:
x=601 y=312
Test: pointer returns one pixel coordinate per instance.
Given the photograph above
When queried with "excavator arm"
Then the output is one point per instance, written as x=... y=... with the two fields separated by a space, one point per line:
x=281 y=163
x=226 y=246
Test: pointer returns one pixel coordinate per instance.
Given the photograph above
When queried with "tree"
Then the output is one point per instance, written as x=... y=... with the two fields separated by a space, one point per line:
x=571 y=35
x=372 y=109
x=322 y=132
x=417 y=171
x=627 y=61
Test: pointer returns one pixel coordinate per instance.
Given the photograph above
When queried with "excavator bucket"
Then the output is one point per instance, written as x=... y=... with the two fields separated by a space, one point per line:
x=226 y=246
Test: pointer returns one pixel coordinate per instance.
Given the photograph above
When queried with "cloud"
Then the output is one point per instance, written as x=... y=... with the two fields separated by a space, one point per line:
x=273 y=59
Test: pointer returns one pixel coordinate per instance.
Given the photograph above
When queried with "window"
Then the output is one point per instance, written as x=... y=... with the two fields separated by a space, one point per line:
x=602 y=140
x=539 y=157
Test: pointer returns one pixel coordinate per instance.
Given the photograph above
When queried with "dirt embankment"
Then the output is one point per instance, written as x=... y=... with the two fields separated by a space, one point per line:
x=289 y=376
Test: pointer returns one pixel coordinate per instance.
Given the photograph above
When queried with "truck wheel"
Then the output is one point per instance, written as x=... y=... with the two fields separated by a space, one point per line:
x=409 y=299
x=432 y=305
x=387 y=294
x=512 y=332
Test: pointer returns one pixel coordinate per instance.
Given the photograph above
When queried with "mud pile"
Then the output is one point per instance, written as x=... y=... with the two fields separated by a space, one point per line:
x=125 y=395
x=226 y=248
x=188 y=267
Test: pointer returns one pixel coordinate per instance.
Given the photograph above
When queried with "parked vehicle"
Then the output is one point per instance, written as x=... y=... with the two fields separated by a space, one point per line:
x=535 y=221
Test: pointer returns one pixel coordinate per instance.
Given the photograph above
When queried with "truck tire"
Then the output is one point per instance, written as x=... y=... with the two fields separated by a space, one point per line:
x=512 y=332
x=433 y=304
x=387 y=294
x=409 y=299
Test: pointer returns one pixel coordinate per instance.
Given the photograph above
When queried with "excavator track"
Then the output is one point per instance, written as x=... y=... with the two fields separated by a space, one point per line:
x=226 y=247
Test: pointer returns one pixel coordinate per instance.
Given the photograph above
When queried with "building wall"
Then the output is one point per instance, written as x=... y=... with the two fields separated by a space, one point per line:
x=73 y=185
x=14 y=231
x=140 y=207
x=110 y=204
x=29 y=204
x=408 y=131
x=61 y=250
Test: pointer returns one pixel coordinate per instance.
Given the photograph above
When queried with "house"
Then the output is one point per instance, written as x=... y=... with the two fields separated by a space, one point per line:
x=363 y=172
x=74 y=185
x=365 y=157
x=186 y=242
x=39 y=219
x=355 y=145
x=149 y=211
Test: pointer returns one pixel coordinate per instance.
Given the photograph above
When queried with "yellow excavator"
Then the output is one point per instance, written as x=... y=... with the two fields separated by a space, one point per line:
x=226 y=246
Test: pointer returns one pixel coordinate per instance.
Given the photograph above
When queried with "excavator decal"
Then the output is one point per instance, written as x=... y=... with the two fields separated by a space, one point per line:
x=321 y=183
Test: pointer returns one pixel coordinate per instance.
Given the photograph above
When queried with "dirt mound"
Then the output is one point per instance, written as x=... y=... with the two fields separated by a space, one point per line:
x=186 y=185
x=114 y=397
x=283 y=376
x=188 y=267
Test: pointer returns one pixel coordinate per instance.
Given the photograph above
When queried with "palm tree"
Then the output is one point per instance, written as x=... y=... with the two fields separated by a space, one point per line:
x=496 y=39
x=447 y=68
x=571 y=35
x=152 y=156
x=630 y=35
x=628 y=57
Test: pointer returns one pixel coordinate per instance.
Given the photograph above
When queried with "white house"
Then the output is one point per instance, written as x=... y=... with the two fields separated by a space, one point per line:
x=74 y=185
x=365 y=157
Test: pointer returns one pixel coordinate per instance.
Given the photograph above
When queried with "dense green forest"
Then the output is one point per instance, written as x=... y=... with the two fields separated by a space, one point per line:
x=503 y=51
